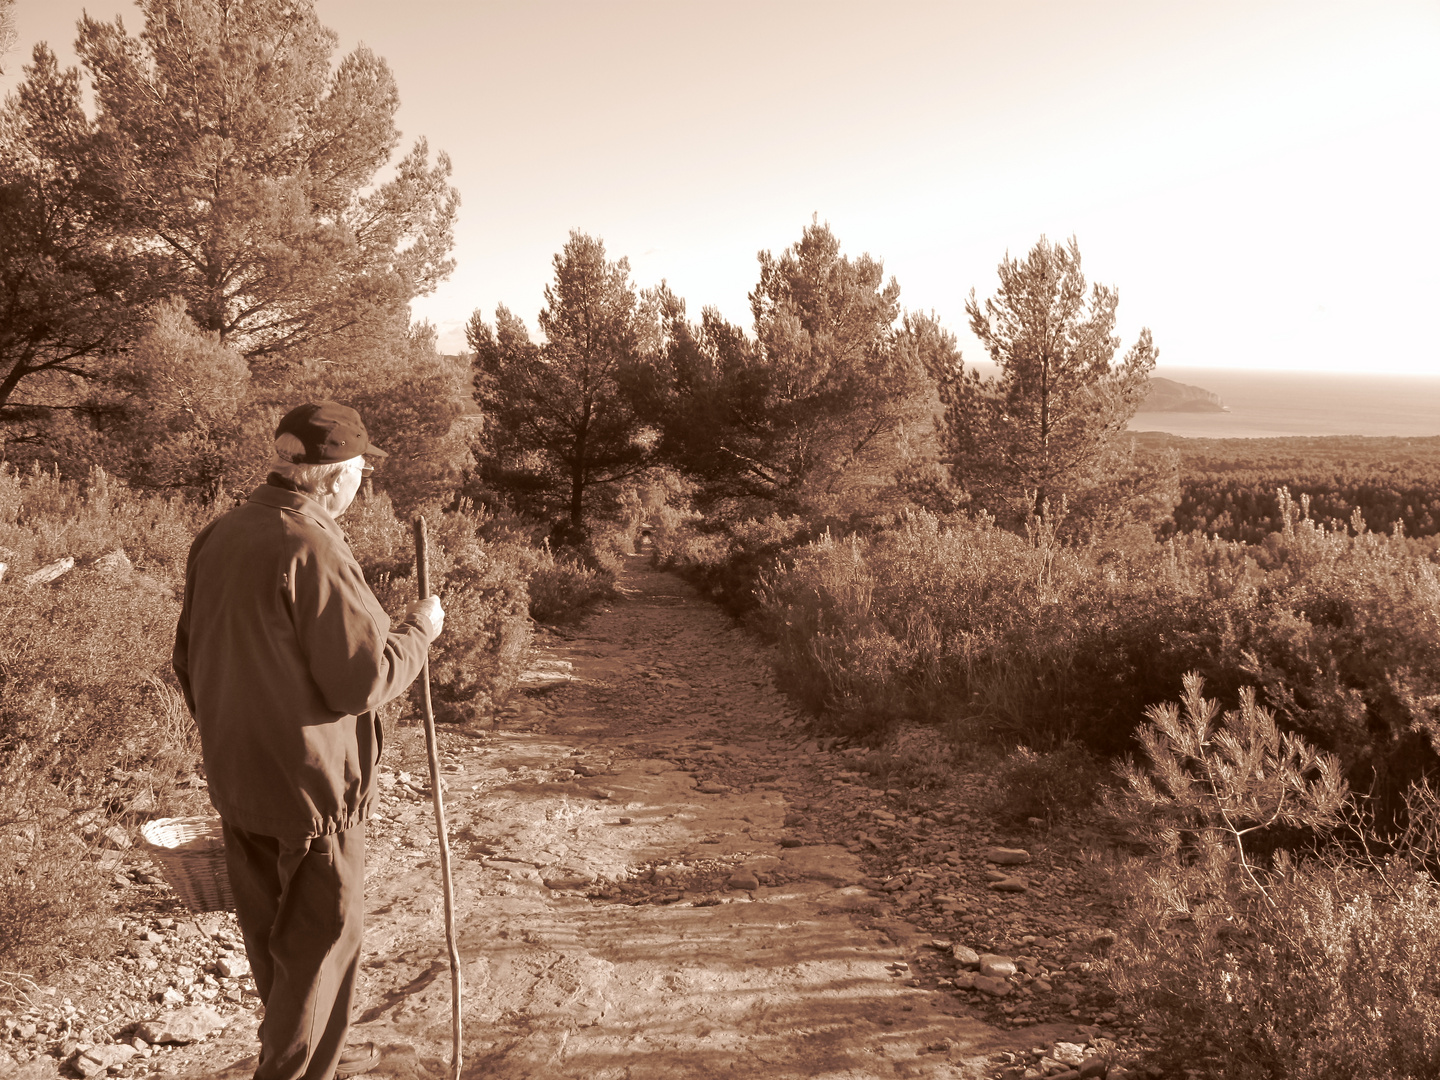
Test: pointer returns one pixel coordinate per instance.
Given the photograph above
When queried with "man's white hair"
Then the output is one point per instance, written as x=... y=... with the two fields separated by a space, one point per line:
x=308 y=478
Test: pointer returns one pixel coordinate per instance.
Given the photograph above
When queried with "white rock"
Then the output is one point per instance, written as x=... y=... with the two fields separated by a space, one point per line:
x=182 y=1026
x=117 y=562
x=49 y=572
x=999 y=966
x=965 y=956
x=233 y=967
x=99 y=1059
x=1068 y=1053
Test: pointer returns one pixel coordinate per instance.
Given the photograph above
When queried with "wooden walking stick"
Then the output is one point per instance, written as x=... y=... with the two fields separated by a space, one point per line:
x=422 y=574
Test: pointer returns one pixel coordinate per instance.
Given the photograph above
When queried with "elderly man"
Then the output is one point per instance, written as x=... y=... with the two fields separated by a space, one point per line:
x=284 y=655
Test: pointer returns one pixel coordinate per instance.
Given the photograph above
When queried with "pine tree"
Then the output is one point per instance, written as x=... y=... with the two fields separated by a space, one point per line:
x=1040 y=432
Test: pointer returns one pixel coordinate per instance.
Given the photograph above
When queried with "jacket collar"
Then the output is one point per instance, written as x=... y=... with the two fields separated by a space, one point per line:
x=285 y=499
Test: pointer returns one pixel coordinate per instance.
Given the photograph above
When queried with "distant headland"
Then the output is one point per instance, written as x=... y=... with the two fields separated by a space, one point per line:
x=1167 y=395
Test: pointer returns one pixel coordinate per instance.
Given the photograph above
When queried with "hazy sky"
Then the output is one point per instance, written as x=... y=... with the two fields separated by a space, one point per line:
x=1259 y=179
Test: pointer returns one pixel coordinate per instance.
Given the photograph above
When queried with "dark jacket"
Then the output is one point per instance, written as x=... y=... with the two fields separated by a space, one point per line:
x=283 y=654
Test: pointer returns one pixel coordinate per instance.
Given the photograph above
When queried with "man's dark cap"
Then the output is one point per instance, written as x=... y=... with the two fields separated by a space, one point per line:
x=323 y=433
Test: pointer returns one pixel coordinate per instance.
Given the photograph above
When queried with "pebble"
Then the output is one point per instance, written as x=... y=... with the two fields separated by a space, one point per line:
x=233 y=967
x=998 y=966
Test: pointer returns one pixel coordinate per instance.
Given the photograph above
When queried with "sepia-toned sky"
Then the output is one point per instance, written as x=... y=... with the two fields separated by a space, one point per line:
x=1258 y=178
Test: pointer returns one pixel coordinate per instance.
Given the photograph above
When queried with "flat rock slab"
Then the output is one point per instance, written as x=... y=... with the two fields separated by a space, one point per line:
x=824 y=862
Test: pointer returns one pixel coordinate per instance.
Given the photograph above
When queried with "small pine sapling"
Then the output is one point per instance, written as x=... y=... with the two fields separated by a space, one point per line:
x=1231 y=775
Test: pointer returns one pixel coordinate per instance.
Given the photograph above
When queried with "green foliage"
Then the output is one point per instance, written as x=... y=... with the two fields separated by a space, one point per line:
x=1316 y=968
x=564 y=590
x=65 y=279
x=90 y=722
x=1043 y=430
x=806 y=414
x=559 y=418
x=1228 y=486
x=1055 y=785
x=176 y=412
x=728 y=562
x=937 y=619
x=1228 y=780
x=249 y=160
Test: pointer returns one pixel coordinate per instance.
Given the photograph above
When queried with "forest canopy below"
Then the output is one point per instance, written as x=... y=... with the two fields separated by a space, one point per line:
x=1229 y=486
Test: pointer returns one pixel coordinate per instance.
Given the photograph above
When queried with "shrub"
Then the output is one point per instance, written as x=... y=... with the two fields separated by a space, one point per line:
x=476 y=661
x=728 y=561
x=563 y=589
x=1311 y=968
x=92 y=735
x=937 y=618
x=1053 y=786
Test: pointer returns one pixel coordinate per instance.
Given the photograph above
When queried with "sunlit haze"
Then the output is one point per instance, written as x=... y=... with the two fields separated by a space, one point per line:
x=1257 y=179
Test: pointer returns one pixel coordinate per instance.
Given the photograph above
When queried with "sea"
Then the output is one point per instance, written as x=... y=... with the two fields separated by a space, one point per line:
x=1270 y=404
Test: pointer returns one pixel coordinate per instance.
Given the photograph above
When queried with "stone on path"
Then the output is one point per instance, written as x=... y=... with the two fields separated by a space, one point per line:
x=181 y=1026
x=993 y=986
x=965 y=956
x=1003 y=856
x=1009 y=884
x=569 y=877
x=100 y=1059
x=998 y=966
x=743 y=879
x=233 y=967
x=712 y=787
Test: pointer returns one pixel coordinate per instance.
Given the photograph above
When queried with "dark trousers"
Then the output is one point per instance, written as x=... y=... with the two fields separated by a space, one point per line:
x=301 y=905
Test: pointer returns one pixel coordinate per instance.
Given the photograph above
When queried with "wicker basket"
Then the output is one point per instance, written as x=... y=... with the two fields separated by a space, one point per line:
x=191 y=853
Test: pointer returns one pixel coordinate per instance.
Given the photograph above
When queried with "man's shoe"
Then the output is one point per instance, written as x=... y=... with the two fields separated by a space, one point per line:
x=357 y=1059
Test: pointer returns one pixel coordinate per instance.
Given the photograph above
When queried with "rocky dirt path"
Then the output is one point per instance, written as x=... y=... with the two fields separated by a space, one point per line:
x=660 y=874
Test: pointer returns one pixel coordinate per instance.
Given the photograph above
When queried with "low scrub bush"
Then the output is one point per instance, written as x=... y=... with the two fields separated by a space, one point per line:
x=727 y=561
x=93 y=737
x=1053 y=786
x=1303 y=966
x=563 y=589
x=476 y=661
x=941 y=618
